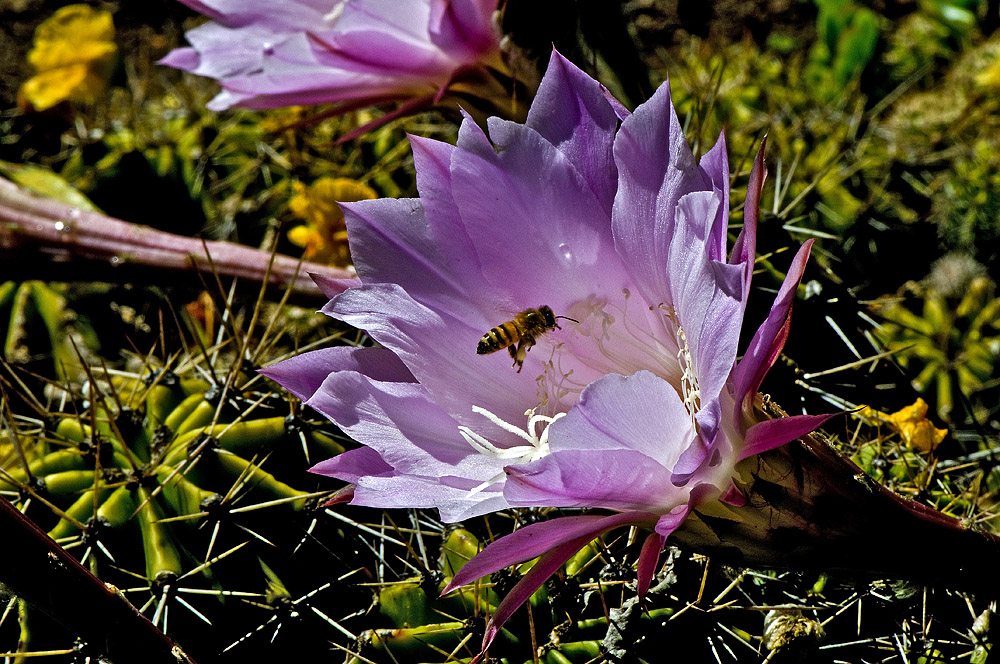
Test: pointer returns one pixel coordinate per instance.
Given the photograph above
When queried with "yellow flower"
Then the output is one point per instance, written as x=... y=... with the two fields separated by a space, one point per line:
x=324 y=236
x=72 y=56
x=917 y=432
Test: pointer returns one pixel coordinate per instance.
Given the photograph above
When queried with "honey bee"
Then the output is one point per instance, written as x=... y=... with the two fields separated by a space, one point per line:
x=522 y=331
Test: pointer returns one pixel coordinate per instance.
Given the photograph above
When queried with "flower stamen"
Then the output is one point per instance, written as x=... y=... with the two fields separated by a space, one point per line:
x=690 y=391
x=624 y=342
x=537 y=447
x=331 y=16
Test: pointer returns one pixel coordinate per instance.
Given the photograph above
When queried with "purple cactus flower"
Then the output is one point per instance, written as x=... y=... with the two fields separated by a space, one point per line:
x=354 y=53
x=634 y=404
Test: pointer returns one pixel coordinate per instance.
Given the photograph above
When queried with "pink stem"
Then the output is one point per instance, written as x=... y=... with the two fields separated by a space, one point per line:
x=62 y=233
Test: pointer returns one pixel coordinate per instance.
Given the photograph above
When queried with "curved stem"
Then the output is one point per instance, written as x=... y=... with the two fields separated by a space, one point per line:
x=43 y=234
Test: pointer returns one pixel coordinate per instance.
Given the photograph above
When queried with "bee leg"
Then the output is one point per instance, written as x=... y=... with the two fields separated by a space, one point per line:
x=523 y=346
x=517 y=353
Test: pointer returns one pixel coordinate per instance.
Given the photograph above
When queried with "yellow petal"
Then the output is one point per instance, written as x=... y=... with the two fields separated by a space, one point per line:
x=870 y=416
x=48 y=55
x=72 y=53
x=77 y=22
x=346 y=190
x=916 y=430
x=299 y=205
x=47 y=89
x=325 y=235
x=299 y=236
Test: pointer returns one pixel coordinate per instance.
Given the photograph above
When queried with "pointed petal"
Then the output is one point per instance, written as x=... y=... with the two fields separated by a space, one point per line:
x=655 y=169
x=529 y=583
x=770 y=337
x=352 y=465
x=769 y=434
x=571 y=111
x=344 y=495
x=535 y=539
x=303 y=374
x=653 y=545
x=715 y=164
x=472 y=138
x=400 y=421
x=745 y=248
x=405 y=491
x=619 y=108
x=559 y=232
x=331 y=286
x=432 y=162
x=393 y=241
x=733 y=496
x=185 y=58
x=379 y=485
x=707 y=295
x=648 y=557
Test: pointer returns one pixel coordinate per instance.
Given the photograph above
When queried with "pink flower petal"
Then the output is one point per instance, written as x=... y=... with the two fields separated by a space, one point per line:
x=331 y=286
x=440 y=350
x=707 y=295
x=403 y=424
x=463 y=28
x=767 y=435
x=353 y=465
x=272 y=53
x=641 y=412
x=745 y=247
x=546 y=566
x=733 y=496
x=572 y=111
x=405 y=491
x=562 y=233
x=715 y=164
x=303 y=374
x=535 y=539
x=616 y=479
x=770 y=338
x=655 y=169
x=648 y=557
x=394 y=242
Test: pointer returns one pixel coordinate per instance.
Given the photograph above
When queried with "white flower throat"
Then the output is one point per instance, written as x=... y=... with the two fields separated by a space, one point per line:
x=625 y=339
x=608 y=339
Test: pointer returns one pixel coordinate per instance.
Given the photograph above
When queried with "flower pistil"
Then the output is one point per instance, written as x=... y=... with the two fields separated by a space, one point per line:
x=537 y=447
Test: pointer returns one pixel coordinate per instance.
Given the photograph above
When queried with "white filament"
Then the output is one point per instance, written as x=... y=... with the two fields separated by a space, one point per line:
x=331 y=16
x=690 y=392
x=537 y=447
